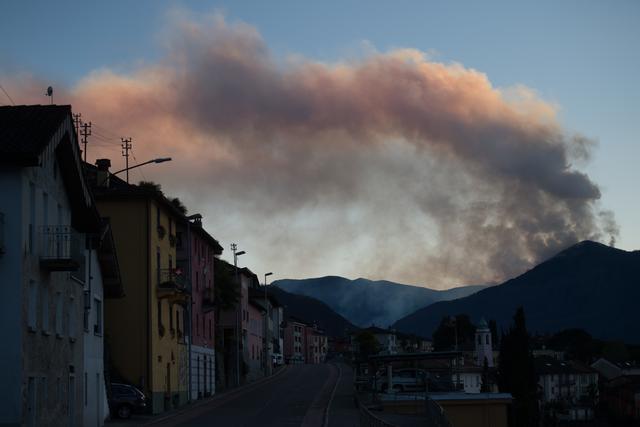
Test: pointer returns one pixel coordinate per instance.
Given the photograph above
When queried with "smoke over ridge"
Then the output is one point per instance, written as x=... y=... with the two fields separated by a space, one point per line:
x=389 y=166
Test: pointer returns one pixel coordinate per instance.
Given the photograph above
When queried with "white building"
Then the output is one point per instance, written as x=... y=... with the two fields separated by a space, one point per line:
x=484 y=346
x=571 y=383
x=102 y=281
x=48 y=211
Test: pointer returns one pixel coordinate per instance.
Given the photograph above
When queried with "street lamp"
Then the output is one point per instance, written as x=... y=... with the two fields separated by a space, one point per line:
x=158 y=160
x=236 y=254
x=267 y=338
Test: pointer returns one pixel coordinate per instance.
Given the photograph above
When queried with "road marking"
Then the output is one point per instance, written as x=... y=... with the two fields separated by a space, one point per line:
x=333 y=393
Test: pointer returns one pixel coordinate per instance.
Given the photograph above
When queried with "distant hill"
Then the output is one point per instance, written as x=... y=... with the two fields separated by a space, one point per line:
x=312 y=310
x=366 y=302
x=589 y=285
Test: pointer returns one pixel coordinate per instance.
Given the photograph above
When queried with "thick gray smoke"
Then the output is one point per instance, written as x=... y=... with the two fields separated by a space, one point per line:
x=392 y=166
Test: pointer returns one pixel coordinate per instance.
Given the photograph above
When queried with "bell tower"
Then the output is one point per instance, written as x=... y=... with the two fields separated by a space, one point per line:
x=484 y=347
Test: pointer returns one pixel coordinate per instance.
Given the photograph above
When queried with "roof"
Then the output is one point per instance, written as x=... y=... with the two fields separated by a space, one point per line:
x=482 y=325
x=25 y=130
x=549 y=365
x=196 y=227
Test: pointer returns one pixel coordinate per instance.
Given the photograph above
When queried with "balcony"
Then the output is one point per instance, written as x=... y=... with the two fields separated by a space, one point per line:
x=208 y=304
x=60 y=248
x=171 y=282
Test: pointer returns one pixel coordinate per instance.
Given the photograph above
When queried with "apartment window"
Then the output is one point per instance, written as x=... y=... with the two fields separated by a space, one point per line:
x=71 y=318
x=210 y=330
x=86 y=389
x=158 y=262
x=45 y=208
x=33 y=305
x=32 y=216
x=178 y=321
x=159 y=308
x=158 y=216
x=59 y=312
x=170 y=227
x=43 y=394
x=170 y=319
x=197 y=324
x=97 y=327
x=44 y=302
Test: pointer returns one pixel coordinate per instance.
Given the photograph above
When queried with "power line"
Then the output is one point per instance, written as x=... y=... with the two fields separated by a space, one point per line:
x=8 y=96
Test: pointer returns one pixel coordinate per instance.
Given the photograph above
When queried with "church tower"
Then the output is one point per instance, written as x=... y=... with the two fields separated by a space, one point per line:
x=484 y=347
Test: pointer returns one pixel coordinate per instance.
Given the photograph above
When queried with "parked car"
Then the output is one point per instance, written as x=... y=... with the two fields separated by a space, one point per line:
x=126 y=399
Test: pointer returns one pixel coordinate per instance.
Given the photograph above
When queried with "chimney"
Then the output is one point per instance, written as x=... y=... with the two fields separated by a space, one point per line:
x=102 y=177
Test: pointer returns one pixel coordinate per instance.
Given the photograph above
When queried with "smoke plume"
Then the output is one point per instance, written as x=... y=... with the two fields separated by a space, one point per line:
x=389 y=166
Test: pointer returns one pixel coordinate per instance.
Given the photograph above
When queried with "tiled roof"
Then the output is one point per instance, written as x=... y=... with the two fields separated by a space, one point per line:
x=548 y=365
x=25 y=131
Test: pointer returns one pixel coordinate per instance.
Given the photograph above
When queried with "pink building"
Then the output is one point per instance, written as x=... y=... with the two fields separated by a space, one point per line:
x=255 y=342
x=316 y=348
x=204 y=249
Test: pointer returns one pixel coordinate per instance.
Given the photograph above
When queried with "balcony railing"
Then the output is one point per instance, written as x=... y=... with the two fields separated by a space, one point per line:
x=172 y=280
x=207 y=300
x=60 y=248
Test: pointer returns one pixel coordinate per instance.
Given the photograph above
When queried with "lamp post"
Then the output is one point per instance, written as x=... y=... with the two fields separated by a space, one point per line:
x=267 y=338
x=127 y=169
x=236 y=254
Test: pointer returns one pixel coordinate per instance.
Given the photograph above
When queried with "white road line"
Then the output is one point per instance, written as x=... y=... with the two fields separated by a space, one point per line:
x=333 y=393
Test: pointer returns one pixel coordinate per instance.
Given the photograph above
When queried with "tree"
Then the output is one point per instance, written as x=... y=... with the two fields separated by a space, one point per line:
x=151 y=186
x=576 y=343
x=516 y=372
x=177 y=203
x=367 y=344
x=486 y=385
x=444 y=338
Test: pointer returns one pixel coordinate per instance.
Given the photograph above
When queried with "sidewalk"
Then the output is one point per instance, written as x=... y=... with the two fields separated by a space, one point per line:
x=343 y=411
x=149 y=420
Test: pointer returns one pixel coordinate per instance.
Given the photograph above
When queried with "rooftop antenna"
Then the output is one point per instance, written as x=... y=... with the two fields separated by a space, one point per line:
x=50 y=93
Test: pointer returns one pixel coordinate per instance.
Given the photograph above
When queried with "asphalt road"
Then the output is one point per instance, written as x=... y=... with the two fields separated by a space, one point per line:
x=300 y=396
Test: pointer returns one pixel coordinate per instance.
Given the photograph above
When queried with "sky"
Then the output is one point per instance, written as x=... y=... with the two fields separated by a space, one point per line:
x=430 y=143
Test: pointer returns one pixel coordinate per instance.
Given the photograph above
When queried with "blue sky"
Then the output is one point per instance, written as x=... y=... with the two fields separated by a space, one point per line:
x=580 y=55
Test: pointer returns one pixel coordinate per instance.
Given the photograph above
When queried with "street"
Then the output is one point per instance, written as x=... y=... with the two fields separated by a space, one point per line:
x=299 y=396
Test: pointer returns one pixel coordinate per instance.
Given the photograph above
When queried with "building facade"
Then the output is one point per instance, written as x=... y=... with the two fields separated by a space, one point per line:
x=294 y=341
x=47 y=214
x=196 y=251
x=146 y=329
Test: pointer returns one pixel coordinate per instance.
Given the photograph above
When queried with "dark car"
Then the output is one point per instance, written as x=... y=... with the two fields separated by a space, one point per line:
x=125 y=400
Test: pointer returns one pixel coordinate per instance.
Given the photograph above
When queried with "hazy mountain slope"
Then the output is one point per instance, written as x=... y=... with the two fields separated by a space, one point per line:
x=365 y=302
x=312 y=310
x=589 y=286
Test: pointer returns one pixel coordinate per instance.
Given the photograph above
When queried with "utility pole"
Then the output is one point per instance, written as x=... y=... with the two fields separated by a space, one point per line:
x=77 y=119
x=126 y=146
x=85 y=132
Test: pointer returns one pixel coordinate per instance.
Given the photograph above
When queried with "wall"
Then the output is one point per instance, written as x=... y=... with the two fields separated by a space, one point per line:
x=11 y=295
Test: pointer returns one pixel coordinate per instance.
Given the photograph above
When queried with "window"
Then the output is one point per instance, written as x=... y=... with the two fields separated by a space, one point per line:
x=32 y=216
x=159 y=308
x=170 y=318
x=43 y=394
x=178 y=321
x=158 y=216
x=44 y=302
x=33 y=305
x=97 y=327
x=45 y=208
x=158 y=262
x=487 y=339
x=86 y=389
x=197 y=281
x=59 y=312
x=170 y=263
x=197 y=324
x=71 y=318
x=210 y=330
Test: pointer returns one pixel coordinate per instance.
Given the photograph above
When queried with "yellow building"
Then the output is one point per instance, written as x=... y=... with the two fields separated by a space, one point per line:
x=145 y=332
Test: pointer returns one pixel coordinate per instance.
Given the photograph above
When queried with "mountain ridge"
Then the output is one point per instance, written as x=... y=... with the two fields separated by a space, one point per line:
x=366 y=302
x=588 y=285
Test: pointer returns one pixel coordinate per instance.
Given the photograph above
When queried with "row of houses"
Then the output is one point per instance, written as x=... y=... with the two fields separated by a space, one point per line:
x=104 y=281
x=304 y=342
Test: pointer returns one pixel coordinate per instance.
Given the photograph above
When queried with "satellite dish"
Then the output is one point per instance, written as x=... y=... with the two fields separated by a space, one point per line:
x=49 y=91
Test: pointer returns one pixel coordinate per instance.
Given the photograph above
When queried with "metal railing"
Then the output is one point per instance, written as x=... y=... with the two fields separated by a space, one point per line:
x=172 y=279
x=61 y=248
